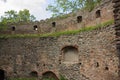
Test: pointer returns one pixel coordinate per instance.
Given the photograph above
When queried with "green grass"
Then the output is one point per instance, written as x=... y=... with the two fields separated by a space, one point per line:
x=57 y=34
x=22 y=79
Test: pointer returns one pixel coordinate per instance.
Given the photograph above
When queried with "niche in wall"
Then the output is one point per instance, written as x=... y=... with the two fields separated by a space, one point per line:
x=33 y=74
x=98 y=13
x=35 y=27
x=70 y=54
x=49 y=75
x=2 y=74
x=79 y=19
x=13 y=28
x=53 y=24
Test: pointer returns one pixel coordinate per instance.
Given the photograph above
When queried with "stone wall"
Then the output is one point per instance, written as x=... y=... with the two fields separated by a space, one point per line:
x=96 y=56
x=96 y=53
x=100 y=14
x=117 y=27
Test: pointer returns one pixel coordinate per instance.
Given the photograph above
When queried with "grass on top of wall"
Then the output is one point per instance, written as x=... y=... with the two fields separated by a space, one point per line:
x=22 y=79
x=57 y=34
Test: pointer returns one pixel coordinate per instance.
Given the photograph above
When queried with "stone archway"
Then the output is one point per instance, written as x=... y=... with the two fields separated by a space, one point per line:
x=70 y=54
x=49 y=75
x=2 y=74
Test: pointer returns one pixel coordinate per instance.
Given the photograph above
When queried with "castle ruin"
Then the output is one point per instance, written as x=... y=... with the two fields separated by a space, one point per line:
x=89 y=55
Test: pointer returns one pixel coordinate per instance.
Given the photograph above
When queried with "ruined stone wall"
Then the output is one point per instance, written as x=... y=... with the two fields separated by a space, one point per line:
x=90 y=55
x=94 y=55
x=100 y=14
x=117 y=27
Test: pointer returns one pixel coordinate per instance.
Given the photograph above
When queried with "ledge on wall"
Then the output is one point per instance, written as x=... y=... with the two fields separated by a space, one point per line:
x=57 y=34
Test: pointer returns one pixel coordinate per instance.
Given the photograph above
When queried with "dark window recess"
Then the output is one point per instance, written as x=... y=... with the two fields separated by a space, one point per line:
x=106 y=68
x=35 y=27
x=13 y=28
x=80 y=63
x=2 y=75
x=97 y=64
x=79 y=19
x=53 y=24
x=98 y=13
x=34 y=74
x=49 y=75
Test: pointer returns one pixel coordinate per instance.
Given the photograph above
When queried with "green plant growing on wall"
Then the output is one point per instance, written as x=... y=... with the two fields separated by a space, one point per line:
x=48 y=79
x=57 y=34
x=62 y=77
x=12 y=17
x=22 y=79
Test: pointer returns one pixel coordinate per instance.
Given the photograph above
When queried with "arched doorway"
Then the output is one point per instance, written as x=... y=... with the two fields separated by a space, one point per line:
x=49 y=75
x=2 y=74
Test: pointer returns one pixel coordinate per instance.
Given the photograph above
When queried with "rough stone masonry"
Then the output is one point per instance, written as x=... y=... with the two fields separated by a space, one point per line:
x=90 y=55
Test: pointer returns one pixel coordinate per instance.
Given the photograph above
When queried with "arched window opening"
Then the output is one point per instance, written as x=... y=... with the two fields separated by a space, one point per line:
x=70 y=54
x=79 y=19
x=34 y=74
x=13 y=28
x=49 y=75
x=35 y=27
x=53 y=24
x=98 y=13
x=2 y=75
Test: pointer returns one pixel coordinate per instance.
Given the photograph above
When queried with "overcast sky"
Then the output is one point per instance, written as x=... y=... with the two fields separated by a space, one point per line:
x=36 y=7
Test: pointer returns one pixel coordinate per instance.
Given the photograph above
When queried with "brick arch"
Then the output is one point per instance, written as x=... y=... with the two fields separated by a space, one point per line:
x=49 y=75
x=70 y=54
x=2 y=74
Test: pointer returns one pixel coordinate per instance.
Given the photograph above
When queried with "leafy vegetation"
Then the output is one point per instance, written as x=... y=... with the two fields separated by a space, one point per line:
x=12 y=17
x=57 y=34
x=61 y=7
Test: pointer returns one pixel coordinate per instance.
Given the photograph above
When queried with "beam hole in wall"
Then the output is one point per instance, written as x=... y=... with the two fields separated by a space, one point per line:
x=106 y=68
x=98 y=13
x=53 y=24
x=34 y=74
x=2 y=74
x=96 y=64
x=37 y=64
x=79 y=19
x=35 y=27
x=70 y=54
x=13 y=28
x=80 y=63
x=44 y=65
x=49 y=75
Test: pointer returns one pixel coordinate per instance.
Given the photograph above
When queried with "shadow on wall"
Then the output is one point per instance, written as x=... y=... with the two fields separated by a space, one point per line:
x=2 y=74
x=49 y=75
x=34 y=74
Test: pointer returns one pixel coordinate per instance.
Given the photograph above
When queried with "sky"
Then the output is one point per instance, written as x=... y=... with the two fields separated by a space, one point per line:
x=36 y=7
